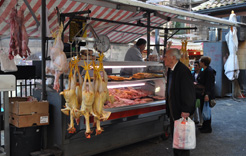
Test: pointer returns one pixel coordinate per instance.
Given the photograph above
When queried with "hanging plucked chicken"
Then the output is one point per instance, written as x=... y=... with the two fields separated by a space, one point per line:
x=88 y=96
x=58 y=64
x=72 y=105
x=101 y=95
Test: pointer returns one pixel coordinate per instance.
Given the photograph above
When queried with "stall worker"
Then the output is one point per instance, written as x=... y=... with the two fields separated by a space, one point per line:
x=134 y=54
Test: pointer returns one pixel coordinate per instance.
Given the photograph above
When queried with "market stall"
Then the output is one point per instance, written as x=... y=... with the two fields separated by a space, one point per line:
x=133 y=118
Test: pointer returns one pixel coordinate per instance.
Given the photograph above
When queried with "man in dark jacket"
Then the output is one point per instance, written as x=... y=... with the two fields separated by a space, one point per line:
x=180 y=91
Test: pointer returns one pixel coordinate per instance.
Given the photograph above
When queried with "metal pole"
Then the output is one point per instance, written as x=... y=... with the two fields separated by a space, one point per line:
x=20 y=89
x=63 y=119
x=165 y=40
x=44 y=94
x=30 y=84
x=157 y=40
x=148 y=34
x=62 y=37
x=25 y=88
x=6 y=124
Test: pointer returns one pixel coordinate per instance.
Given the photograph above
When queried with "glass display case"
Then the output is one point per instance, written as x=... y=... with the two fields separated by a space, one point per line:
x=138 y=112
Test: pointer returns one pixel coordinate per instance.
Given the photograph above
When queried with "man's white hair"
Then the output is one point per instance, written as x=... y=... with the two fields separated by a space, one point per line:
x=175 y=52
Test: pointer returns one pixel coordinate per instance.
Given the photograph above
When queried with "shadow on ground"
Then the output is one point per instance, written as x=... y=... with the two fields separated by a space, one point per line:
x=227 y=138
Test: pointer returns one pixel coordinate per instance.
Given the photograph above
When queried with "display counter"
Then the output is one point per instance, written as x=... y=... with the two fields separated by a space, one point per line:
x=138 y=112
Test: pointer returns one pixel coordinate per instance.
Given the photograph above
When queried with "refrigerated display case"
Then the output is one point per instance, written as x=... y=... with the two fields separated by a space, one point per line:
x=137 y=113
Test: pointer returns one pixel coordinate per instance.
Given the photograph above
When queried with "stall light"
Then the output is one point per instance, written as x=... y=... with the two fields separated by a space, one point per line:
x=110 y=67
x=157 y=89
x=107 y=67
x=125 y=85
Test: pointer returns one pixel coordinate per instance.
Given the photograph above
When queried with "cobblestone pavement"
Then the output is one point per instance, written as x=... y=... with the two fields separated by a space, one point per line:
x=227 y=138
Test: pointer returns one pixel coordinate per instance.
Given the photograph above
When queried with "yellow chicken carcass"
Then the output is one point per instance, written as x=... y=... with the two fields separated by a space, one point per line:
x=97 y=105
x=80 y=83
x=79 y=89
x=71 y=106
x=103 y=90
x=101 y=95
x=87 y=99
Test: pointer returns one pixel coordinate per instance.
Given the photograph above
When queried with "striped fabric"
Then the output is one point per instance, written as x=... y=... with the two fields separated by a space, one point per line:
x=117 y=33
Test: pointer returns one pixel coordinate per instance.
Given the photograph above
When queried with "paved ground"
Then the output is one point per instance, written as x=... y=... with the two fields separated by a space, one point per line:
x=227 y=138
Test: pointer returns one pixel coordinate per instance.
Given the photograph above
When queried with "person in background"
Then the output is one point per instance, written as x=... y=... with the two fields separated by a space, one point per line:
x=180 y=91
x=134 y=54
x=195 y=74
x=207 y=79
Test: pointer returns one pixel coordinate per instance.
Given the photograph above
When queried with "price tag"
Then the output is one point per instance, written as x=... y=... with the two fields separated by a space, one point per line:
x=44 y=119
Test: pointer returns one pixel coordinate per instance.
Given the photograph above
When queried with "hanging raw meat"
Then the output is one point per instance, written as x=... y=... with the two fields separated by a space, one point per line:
x=87 y=100
x=58 y=64
x=72 y=105
x=13 y=44
x=23 y=39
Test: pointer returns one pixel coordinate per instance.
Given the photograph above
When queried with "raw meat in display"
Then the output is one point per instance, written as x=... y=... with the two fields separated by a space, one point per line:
x=128 y=96
x=129 y=93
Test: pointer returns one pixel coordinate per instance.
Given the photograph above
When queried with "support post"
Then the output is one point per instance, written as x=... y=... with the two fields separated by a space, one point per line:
x=6 y=124
x=165 y=40
x=157 y=40
x=44 y=93
x=148 y=34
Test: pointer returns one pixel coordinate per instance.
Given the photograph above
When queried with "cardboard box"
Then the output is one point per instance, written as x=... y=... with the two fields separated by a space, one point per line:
x=20 y=106
x=21 y=121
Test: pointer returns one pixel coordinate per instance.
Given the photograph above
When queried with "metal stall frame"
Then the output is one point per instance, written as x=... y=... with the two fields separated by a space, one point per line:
x=75 y=145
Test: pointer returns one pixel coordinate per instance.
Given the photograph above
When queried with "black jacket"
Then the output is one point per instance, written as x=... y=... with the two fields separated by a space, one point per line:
x=182 y=92
x=207 y=78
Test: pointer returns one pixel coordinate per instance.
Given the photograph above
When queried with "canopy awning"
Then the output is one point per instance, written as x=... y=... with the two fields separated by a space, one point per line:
x=121 y=11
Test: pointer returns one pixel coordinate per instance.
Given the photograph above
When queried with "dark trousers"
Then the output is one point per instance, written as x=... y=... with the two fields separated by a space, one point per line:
x=178 y=152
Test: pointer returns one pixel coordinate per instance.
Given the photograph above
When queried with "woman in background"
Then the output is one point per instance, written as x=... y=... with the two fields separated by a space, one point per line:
x=207 y=78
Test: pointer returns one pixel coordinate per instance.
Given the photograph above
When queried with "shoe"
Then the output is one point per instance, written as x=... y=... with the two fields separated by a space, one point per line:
x=205 y=130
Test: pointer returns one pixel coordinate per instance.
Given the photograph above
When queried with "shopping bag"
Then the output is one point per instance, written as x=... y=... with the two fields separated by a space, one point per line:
x=212 y=103
x=7 y=65
x=196 y=116
x=184 y=135
x=206 y=111
x=198 y=103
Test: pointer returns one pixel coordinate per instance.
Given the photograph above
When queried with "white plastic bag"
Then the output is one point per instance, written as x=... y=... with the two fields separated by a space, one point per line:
x=7 y=65
x=155 y=55
x=184 y=135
